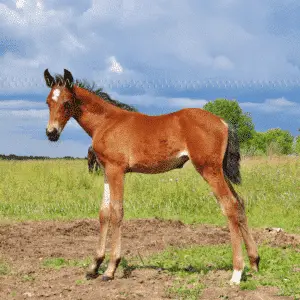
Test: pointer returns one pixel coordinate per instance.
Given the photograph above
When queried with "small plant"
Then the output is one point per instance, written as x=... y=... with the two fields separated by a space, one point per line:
x=55 y=263
x=4 y=268
x=28 y=277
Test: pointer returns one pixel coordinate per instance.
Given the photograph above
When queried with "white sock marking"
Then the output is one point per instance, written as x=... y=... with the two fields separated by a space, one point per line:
x=106 y=195
x=55 y=95
x=236 y=277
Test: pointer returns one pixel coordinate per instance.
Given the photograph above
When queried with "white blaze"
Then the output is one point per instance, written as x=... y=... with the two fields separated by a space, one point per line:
x=55 y=95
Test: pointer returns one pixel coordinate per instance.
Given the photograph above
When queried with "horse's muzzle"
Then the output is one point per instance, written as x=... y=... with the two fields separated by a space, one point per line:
x=52 y=135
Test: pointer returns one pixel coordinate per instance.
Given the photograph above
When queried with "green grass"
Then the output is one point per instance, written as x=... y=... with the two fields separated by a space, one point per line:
x=28 y=277
x=62 y=189
x=4 y=268
x=59 y=262
x=279 y=267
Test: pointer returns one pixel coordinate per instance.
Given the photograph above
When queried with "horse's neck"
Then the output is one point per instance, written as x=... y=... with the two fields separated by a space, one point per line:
x=94 y=112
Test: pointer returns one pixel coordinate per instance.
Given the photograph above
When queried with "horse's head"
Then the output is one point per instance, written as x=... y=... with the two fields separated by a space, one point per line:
x=60 y=102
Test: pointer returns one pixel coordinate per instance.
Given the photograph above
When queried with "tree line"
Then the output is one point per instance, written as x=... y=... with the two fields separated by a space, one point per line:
x=273 y=141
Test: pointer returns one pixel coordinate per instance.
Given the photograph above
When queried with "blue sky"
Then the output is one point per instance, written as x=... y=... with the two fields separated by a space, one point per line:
x=158 y=55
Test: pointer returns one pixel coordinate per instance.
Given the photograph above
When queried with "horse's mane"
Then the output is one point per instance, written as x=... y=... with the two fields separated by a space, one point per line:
x=92 y=88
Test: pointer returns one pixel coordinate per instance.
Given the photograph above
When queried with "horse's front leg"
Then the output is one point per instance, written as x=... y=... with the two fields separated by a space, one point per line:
x=104 y=215
x=115 y=176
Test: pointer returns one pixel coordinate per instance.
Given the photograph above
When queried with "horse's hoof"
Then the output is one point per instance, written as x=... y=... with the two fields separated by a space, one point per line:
x=106 y=278
x=255 y=264
x=234 y=283
x=236 y=277
x=90 y=276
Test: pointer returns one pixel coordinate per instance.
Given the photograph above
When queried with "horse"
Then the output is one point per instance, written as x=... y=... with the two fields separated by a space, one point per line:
x=128 y=141
x=92 y=160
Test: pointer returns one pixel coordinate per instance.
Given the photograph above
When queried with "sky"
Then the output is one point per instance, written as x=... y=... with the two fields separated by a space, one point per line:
x=157 y=55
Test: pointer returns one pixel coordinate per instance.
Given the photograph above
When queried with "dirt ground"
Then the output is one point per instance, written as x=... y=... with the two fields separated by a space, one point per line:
x=25 y=245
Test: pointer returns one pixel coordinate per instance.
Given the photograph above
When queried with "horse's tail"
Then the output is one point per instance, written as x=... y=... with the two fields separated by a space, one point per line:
x=91 y=150
x=91 y=159
x=232 y=157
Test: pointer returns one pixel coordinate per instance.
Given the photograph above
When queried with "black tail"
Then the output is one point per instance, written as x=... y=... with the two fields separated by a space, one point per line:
x=91 y=159
x=231 y=161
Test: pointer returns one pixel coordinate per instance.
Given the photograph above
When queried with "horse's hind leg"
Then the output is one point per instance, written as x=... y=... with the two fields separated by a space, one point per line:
x=229 y=204
x=244 y=228
x=104 y=216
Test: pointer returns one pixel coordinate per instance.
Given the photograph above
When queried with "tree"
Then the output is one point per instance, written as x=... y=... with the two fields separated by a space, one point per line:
x=272 y=141
x=231 y=112
x=297 y=145
x=257 y=144
x=279 y=141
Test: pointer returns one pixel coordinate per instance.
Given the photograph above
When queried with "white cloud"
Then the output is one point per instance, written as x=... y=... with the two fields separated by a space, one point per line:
x=24 y=132
x=186 y=102
x=280 y=102
x=8 y=109
x=71 y=43
x=30 y=113
x=273 y=106
x=20 y=3
x=223 y=63
x=21 y=104
x=115 y=66
x=39 y=4
x=21 y=144
x=192 y=39
x=147 y=100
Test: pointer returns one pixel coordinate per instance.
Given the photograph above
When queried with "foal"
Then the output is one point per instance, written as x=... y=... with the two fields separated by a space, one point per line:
x=126 y=141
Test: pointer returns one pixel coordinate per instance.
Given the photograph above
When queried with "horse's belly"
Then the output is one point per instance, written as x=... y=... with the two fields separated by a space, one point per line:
x=161 y=166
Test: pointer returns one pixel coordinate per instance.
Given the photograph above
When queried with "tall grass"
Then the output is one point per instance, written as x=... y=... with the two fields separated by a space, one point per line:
x=63 y=189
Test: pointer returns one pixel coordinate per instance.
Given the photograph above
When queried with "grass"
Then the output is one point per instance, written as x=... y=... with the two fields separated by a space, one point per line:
x=58 y=189
x=191 y=266
x=59 y=262
x=4 y=268
x=62 y=189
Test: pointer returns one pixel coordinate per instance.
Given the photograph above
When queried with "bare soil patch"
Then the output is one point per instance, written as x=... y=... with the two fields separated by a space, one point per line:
x=23 y=246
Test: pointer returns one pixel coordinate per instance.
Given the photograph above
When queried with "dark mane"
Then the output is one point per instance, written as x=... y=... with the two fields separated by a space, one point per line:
x=92 y=88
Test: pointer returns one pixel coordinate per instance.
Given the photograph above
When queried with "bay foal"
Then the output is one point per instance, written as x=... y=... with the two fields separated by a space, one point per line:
x=127 y=141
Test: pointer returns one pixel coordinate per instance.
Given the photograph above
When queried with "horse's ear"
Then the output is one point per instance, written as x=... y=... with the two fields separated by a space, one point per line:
x=68 y=78
x=48 y=78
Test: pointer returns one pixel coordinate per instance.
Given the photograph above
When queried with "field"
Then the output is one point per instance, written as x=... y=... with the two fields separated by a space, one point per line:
x=175 y=239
